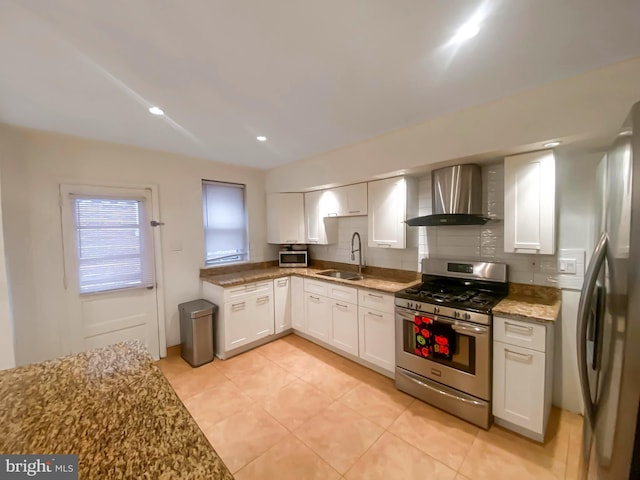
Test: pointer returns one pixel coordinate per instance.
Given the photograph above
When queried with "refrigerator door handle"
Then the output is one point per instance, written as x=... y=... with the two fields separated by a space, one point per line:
x=586 y=298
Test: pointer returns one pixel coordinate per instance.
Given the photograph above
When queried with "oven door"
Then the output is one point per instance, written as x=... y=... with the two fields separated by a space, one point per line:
x=467 y=370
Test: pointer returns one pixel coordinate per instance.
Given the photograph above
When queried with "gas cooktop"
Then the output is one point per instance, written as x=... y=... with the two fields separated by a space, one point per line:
x=464 y=298
x=473 y=286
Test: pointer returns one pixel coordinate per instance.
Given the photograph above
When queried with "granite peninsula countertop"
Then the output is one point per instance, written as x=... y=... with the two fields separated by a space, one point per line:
x=113 y=408
x=530 y=303
x=385 y=280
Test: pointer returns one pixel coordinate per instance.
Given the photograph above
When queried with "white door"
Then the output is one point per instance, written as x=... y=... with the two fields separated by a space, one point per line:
x=109 y=266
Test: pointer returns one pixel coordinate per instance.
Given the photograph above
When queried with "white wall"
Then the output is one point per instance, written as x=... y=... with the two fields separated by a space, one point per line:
x=593 y=103
x=30 y=183
x=7 y=355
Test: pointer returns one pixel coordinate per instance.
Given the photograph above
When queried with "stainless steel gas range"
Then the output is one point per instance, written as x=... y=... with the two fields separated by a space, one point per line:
x=443 y=336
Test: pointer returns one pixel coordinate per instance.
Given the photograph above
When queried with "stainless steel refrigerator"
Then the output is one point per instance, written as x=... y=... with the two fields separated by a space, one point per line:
x=608 y=333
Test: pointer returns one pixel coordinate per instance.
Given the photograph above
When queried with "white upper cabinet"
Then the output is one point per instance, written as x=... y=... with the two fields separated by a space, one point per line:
x=391 y=202
x=529 y=203
x=320 y=230
x=346 y=201
x=285 y=218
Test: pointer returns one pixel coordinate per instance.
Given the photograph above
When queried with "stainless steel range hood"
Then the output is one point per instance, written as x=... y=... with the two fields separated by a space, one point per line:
x=457 y=197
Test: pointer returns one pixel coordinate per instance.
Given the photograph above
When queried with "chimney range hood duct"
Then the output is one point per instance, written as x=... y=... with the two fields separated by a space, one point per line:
x=457 y=197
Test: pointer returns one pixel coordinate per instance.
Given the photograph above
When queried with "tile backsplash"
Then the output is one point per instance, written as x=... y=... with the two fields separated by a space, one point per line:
x=468 y=242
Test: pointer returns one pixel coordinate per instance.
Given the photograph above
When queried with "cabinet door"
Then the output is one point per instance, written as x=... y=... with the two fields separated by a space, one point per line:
x=285 y=218
x=298 y=319
x=519 y=386
x=529 y=203
x=377 y=338
x=320 y=230
x=238 y=327
x=387 y=213
x=344 y=327
x=261 y=316
x=354 y=200
x=282 y=304
x=318 y=316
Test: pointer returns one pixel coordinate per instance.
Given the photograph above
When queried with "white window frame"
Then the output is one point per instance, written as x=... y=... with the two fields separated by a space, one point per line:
x=226 y=258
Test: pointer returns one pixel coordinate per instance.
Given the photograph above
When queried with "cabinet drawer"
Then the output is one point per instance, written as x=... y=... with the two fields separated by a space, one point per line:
x=241 y=291
x=342 y=293
x=315 y=286
x=376 y=300
x=516 y=332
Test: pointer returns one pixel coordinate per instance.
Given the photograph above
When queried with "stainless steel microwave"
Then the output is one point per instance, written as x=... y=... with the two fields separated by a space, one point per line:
x=294 y=258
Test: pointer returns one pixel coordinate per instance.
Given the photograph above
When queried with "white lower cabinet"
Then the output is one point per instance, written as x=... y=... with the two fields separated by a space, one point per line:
x=332 y=314
x=376 y=324
x=245 y=315
x=344 y=327
x=298 y=318
x=318 y=313
x=282 y=304
x=358 y=322
x=522 y=376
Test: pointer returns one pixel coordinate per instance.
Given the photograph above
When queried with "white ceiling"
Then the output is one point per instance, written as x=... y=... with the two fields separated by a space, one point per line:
x=310 y=75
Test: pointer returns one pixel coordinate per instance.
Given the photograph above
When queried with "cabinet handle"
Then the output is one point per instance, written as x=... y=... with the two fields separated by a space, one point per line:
x=375 y=314
x=314 y=298
x=251 y=287
x=332 y=214
x=354 y=211
x=529 y=330
x=237 y=305
x=291 y=241
x=341 y=305
x=262 y=299
x=524 y=356
x=282 y=283
x=374 y=295
x=383 y=244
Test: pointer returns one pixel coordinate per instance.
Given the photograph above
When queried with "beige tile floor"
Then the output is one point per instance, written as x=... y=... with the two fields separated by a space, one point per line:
x=293 y=410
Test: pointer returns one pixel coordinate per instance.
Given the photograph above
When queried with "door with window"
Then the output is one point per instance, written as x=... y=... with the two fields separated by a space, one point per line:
x=109 y=266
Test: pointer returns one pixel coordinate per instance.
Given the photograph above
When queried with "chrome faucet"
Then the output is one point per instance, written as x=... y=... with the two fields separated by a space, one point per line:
x=359 y=250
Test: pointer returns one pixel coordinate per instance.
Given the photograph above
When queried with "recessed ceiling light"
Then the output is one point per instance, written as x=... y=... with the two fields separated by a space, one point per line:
x=551 y=144
x=467 y=31
x=261 y=138
x=156 y=111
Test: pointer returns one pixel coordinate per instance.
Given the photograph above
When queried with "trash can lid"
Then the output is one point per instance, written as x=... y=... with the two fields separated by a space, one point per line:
x=198 y=308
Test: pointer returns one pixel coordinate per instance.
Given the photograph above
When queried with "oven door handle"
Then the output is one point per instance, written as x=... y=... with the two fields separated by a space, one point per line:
x=416 y=379
x=469 y=329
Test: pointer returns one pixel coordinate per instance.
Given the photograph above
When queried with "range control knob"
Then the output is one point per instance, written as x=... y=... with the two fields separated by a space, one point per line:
x=436 y=310
x=466 y=316
x=418 y=306
x=456 y=314
x=409 y=304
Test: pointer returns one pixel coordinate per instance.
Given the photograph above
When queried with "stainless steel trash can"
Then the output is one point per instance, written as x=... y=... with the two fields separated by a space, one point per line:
x=196 y=331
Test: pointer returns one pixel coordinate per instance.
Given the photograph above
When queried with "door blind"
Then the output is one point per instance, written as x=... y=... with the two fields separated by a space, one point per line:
x=113 y=244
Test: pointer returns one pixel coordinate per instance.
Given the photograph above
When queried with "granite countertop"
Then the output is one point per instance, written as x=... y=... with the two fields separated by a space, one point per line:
x=113 y=408
x=377 y=280
x=530 y=303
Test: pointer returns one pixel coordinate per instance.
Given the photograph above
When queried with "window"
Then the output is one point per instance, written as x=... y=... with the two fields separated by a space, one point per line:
x=113 y=249
x=225 y=223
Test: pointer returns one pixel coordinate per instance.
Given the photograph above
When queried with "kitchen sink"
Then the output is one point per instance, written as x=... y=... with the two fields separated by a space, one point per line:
x=341 y=275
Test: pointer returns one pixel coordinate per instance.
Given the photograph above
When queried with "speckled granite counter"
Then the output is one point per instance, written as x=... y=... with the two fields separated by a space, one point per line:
x=530 y=303
x=113 y=408
x=375 y=280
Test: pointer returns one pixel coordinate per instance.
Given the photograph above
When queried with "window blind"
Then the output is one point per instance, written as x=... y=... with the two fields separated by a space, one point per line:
x=225 y=223
x=113 y=249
